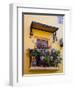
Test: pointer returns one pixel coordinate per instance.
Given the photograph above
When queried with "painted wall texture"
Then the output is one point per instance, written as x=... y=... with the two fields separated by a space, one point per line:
x=51 y=20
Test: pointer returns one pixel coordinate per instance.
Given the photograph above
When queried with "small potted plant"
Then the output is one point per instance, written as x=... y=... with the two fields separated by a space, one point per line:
x=55 y=58
x=61 y=42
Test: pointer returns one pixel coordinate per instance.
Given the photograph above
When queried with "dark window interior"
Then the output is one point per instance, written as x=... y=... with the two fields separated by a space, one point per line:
x=42 y=43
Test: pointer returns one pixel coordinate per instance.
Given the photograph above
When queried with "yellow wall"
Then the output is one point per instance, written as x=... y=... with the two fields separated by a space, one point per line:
x=28 y=42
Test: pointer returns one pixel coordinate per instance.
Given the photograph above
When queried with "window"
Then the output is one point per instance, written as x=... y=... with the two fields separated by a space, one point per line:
x=42 y=43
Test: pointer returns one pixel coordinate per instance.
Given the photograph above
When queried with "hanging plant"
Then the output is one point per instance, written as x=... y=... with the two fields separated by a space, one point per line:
x=61 y=42
x=54 y=37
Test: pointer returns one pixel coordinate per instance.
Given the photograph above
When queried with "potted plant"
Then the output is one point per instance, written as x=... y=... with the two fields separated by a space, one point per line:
x=55 y=58
x=61 y=42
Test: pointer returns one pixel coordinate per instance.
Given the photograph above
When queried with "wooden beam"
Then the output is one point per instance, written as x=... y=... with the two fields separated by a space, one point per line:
x=43 y=27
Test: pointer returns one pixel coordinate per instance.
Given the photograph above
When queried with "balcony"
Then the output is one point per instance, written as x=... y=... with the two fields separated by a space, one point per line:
x=44 y=59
